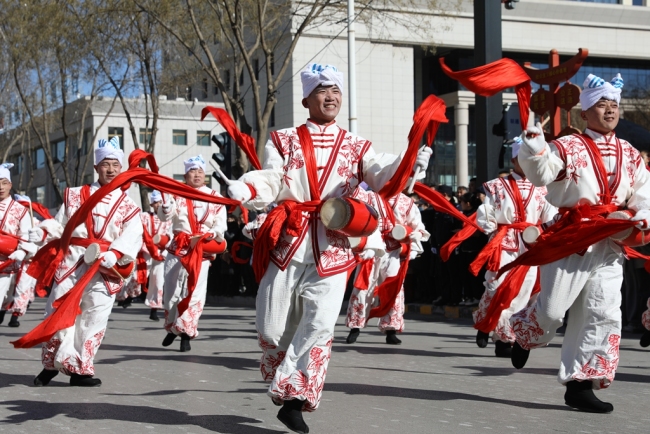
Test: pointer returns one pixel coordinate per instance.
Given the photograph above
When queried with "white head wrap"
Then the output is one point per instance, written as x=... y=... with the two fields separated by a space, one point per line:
x=109 y=150
x=155 y=196
x=595 y=88
x=516 y=145
x=194 y=163
x=19 y=198
x=4 y=171
x=315 y=75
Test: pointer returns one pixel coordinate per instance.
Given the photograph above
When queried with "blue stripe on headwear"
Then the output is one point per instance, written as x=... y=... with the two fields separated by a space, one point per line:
x=617 y=82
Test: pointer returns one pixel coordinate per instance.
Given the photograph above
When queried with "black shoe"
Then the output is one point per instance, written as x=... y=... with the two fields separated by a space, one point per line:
x=185 y=343
x=291 y=416
x=2 y=315
x=352 y=337
x=29 y=304
x=127 y=303
x=645 y=338
x=519 y=356
x=580 y=395
x=120 y=303
x=168 y=339
x=482 y=339
x=391 y=338
x=153 y=315
x=502 y=349
x=13 y=322
x=44 y=378
x=84 y=381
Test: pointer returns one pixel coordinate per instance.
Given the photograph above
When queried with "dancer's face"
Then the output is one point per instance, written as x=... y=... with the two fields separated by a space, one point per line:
x=324 y=104
x=195 y=178
x=5 y=188
x=602 y=117
x=107 y=170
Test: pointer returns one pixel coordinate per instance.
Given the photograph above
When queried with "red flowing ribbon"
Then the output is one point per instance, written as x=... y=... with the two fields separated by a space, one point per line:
x=491 y=253
x=234 y=250
x=441 y=204
x=362 y=280
x=460 y=236
x=427 y=118
x=152 y=248
x=244 y=141
x=389 y=289
x=141 y=269
x=487 y=80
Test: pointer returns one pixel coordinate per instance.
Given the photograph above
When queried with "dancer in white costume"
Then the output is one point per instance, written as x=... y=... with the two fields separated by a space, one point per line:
x=189 y=219
x=510 y=204
x=154 y=226
x=362 y=300
x=15 y=221
x=302 y=287
x=114 y=225
x=594 y=169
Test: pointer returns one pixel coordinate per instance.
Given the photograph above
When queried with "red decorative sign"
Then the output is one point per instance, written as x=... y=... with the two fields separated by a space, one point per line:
x=567 y=96
x=541 y=102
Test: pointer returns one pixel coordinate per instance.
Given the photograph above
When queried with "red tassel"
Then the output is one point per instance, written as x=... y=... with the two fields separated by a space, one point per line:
x=487 y=80
x=455 y=241
x=441 y=204
x=244 y=141
x=427 y=118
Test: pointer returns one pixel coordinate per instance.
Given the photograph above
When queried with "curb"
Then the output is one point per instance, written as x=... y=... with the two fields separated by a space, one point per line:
x=452 y=312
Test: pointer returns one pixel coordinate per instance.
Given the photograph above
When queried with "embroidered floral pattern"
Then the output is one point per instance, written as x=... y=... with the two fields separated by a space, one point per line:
x=189 y=321
x=394 y=319
x=602 y=367
x=48 y=352
x=83 y=365
x=356 y=317
x=526 y=328
x=271 y=359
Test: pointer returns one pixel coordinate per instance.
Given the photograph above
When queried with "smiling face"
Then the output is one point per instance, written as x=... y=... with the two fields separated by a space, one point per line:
x=195 y=178
x=602 y=117
x=5 y=188
x=107 y=170
x=324 y=104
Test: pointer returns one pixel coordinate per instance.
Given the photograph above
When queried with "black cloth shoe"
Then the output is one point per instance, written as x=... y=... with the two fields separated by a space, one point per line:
x=44 y=378
x=645 y=338
x=519 y=356
x=168 y=339
x=482 y=339
x=502 y=349
x=352 y=337
x=2 y=315
x=185 y=343
x=291 y=416
x=13 y=322
x=153 y=315
x=391 y=338
x=84 y=381
x=127 y=302
x=580 y=395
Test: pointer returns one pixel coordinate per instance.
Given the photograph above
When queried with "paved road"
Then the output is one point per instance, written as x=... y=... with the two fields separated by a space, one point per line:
x=437 y=381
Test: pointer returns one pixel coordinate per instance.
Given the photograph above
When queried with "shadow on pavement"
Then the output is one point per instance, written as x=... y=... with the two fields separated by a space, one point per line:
x=361 y=348
x=228 y=424
x=238 y=363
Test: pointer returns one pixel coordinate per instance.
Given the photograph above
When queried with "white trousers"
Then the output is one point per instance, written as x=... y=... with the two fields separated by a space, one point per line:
x=24 y=292
x=156 y=283
x=503 y=331
x=296 y=314
x=589 y=287
x=175 y=289
x=363 y=300
x=7 y=283
x=72 y=350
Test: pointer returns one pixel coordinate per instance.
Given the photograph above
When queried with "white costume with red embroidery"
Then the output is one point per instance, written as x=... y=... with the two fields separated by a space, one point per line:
x=25 y=287
x=363 y=300
x=588 y=285
x=211 y=218
x=14 y=220
x=499 y=209
x=115 y=220
x=300 y=295
x=153 y=225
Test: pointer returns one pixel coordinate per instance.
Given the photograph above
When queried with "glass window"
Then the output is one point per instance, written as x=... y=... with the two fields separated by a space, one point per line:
x=119 y=132
x=38 y=159
x=203 y=138
x=145 y=134
x=58 y=151
x=204 y=90
x=188 y=93
x=37 y=194
x=180 y=178
x=179 y=137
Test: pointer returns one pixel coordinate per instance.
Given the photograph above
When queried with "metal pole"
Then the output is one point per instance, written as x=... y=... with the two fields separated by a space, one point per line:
x=487 y=48
x=352 y=81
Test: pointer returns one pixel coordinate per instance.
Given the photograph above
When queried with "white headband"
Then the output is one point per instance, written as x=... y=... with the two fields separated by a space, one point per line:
x=318 y=75
x=109 y=150
x=595 y=88
x=194 y=163
x=4 y=171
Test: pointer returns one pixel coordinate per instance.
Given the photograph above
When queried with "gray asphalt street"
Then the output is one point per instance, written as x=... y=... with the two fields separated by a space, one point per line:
x=437 y=381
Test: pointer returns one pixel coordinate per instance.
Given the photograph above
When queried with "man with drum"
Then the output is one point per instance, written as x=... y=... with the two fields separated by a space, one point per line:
x=113 y=234
x=302 y=266
x=588 y=176
x=405 y=226
x=15 y=221
x=198 y=229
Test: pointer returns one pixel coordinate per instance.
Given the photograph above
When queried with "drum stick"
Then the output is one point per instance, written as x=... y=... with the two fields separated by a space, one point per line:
x=31 y=214
x=220 y=173
x=415 y=175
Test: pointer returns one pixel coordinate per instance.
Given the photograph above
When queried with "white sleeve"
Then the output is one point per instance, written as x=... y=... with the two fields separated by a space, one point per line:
x=54 y=227
x=542 y=167
x=378 y=169
x=129 y=242
x=266 y=182
x=486 y=215
x=221 y=222
x=640 y=198
x=414 y=220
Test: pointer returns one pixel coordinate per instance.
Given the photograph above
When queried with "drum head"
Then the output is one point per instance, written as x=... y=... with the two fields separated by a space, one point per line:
x=400 y=232
x=530 y=234
x=623 y=215
x=156 y=239
x=335 y=213
x=92 y=253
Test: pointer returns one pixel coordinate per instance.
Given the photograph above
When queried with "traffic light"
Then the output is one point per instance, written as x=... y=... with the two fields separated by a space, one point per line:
x=224 y=157
x=510 y=4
